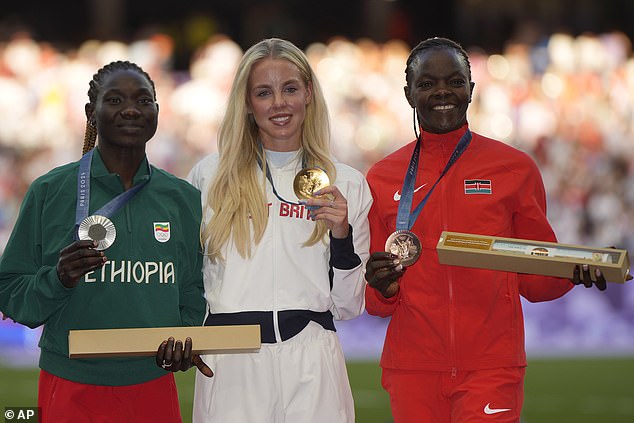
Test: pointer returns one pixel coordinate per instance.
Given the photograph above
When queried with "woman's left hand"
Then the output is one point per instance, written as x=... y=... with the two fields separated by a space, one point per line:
x=173 y=356
x=329 y=205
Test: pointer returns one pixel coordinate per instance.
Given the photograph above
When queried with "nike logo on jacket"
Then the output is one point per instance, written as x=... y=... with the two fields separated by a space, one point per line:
x=489 y=410
x=397 y=194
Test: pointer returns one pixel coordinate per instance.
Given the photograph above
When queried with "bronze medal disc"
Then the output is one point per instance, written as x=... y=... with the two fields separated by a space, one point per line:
x=98 y=228
x=309 y=180
x=404 y=244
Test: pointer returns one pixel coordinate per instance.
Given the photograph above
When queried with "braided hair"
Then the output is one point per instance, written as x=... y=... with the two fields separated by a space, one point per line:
x=434 y=43
x=90 y=135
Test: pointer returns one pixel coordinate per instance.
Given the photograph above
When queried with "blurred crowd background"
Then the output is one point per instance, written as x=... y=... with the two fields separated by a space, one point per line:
x=566 y=99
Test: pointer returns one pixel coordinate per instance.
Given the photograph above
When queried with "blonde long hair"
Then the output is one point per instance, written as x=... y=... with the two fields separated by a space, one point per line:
x=237 y=194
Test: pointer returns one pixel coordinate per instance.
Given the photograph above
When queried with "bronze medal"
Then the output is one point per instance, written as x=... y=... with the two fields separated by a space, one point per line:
x=309 y=180
x=97 y=228
x=404 y=244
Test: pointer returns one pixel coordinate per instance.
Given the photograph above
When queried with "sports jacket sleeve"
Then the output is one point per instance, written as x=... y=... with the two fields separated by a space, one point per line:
x=376 y=304
x=30 y=291
x=347 y=272
x=192 y=301
x=530 y=222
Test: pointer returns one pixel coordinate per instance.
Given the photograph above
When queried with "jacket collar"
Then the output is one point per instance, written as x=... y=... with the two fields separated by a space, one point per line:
x=448 y=139
x=98 y=169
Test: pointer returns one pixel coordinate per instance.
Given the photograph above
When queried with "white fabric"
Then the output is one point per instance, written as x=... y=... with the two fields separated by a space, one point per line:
x=282 y=274
x=301 y=380
x=279 y=158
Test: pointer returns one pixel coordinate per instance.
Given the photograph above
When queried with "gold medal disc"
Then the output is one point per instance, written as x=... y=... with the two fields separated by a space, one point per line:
x=404 y=244
x=98 y=228
x=309 y=180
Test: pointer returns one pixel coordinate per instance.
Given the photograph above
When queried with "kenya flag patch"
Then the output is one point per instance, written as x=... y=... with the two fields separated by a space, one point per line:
x=477 y=186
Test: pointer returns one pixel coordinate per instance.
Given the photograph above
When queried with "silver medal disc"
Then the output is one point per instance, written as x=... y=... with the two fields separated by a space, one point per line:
x=98 y=228
x=404 y=244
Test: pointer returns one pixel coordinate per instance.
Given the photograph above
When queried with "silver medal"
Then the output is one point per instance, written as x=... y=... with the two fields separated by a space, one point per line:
x=97 y=228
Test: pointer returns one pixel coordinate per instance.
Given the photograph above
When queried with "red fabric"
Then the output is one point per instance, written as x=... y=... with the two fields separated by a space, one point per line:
x=493 y=395
x=444 y=317
x=64 y=401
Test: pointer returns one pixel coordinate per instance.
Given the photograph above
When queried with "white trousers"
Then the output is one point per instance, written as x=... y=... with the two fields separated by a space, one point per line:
x=301 y=380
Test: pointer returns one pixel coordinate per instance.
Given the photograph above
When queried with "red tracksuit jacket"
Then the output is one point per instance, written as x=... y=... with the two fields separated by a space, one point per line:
x=448 y=318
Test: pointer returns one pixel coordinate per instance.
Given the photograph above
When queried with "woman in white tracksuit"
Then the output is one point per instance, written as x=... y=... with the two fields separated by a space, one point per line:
x=290 y=265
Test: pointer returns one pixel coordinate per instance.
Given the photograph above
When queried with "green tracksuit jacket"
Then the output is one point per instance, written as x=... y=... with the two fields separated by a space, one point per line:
x=148 y=281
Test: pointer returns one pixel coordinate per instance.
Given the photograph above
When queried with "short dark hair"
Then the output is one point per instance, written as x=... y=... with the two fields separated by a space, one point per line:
x=435 y=43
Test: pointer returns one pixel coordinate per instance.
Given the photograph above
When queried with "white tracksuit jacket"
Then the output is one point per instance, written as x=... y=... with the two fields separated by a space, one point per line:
x=283 y=279
x=282 y=274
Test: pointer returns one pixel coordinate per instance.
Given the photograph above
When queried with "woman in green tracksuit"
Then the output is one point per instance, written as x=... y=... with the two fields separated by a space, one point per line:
x=136 y=264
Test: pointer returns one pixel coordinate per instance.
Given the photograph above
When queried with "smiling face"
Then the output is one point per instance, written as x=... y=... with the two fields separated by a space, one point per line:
x=125 y=111
x=440 y=89
x=277 y=97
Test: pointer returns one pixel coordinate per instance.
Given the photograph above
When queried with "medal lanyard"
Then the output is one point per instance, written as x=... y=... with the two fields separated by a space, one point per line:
x=405 y=219
x=270 y=178
x=83 y=193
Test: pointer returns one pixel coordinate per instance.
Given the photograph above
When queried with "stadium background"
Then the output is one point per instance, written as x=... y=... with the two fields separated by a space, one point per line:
x=554 y=78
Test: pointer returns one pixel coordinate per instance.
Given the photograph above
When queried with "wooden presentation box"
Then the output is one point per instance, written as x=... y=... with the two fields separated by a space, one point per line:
x=533 y=257
x=145 y=341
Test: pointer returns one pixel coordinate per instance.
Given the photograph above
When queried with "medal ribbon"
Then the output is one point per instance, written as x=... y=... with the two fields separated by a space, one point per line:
x=83 y=193
x=405 y=219
x=270 y=178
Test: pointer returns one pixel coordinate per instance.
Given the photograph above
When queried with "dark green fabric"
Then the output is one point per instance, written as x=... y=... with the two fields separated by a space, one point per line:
x=145 y=283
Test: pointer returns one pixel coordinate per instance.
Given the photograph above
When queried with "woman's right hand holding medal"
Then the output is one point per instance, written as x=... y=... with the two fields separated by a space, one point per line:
x=383 y=271
x=76 y=260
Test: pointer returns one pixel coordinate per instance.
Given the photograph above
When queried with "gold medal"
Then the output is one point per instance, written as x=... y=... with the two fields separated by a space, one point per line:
x=404 y=244
x=309 y=180
x=97 y=228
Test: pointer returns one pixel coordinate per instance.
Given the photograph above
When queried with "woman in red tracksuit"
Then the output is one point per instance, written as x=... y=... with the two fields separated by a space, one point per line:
x=454 y=349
